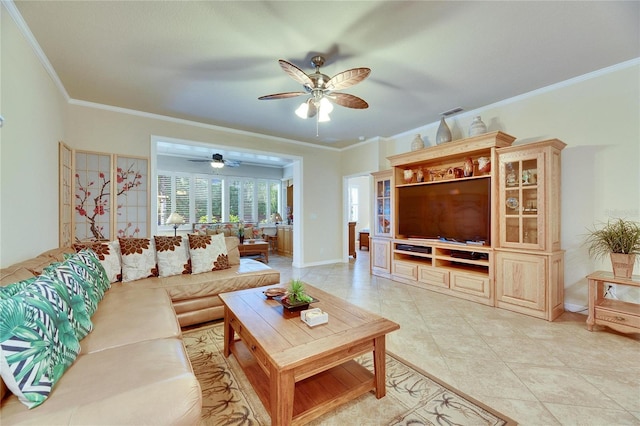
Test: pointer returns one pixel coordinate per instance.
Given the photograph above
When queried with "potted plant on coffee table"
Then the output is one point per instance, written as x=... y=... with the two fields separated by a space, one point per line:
x=618 y=238
x=296 y=299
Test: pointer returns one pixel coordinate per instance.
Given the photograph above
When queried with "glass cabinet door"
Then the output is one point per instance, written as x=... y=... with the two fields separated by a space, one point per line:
x=521 y=190
x=382 y=224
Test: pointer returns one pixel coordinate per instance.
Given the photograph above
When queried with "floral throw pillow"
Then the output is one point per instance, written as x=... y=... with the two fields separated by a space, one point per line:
x=173 y=255
x=108 y=254
x=208 y=253
x=37 y=344
x=138 y=258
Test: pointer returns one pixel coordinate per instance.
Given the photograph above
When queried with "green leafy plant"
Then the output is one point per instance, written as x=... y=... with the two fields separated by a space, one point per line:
x=617 y=236
x=296 y=293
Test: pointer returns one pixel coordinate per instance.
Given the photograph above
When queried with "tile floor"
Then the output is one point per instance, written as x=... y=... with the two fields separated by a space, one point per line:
x=536 y=372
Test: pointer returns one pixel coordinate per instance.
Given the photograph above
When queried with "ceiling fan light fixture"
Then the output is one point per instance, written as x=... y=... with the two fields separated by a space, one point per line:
x=323 y=116
x=326 y=106
x=218 y=161
x=302 y=110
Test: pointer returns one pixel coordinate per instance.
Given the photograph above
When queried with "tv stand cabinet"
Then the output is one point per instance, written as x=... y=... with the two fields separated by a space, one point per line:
x=521 y=267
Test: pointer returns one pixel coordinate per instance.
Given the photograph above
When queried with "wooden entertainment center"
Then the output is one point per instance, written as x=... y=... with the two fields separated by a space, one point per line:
x=518 y=265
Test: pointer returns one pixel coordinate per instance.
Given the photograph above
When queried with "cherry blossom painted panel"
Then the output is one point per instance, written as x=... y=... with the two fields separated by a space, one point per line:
x=65 y=202
x=132 y=197
x=93 y=189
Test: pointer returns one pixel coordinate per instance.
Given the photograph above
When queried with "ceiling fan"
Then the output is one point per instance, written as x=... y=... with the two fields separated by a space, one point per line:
x=322 y=89
x=217 y=161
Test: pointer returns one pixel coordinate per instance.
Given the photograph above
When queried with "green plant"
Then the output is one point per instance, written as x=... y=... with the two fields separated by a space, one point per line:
x=617 y=236
x=296 y=293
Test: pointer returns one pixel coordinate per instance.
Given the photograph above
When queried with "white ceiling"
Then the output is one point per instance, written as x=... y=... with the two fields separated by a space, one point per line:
x=209 y=61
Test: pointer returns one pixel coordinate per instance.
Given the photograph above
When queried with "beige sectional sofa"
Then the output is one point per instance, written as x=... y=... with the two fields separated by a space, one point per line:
x=132 y=367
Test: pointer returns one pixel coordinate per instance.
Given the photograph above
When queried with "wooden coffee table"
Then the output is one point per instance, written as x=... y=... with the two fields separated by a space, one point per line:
x=300 y=372
x=257 y=247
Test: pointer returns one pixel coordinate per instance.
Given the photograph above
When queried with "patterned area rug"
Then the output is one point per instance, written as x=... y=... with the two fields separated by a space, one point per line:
x=413 y=396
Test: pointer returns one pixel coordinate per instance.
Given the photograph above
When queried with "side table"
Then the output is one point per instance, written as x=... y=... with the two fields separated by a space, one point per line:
x=364 y=239
x=616 y=314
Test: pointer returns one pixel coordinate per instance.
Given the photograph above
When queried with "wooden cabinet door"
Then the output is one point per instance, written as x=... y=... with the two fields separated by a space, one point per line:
x=382 y=204
x=281 y=238
x=522 y=207
x=521 y=282
x=380 y=256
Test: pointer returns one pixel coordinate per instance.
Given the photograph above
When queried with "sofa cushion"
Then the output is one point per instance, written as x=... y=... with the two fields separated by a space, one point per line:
x=138 y=257
x=108 y=254
x=37 y=343
x=57 y=254
x=14 y=274
x=233 y=253
x=208 y=253
x=173 y=255
x=147 y=382
x=126 y=316
x=250 y=273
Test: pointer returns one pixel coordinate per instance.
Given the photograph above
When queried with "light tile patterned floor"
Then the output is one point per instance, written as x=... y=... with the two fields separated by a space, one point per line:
x=536 y=372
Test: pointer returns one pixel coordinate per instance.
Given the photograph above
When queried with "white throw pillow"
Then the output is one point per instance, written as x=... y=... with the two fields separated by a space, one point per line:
x=173 y=255
x=138 y=258
x=208 y=253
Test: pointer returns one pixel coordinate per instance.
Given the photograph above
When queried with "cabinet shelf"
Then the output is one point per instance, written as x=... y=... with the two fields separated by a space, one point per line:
x=435 y=182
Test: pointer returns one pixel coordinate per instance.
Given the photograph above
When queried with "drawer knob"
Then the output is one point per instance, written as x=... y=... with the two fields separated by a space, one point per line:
x=253 y=347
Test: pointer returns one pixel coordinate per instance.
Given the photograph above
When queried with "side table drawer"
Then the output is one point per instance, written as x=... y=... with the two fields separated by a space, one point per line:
x=251 y=344
x=617 y=317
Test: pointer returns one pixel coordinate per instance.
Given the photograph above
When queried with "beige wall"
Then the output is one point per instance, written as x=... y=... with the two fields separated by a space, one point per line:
x=34 y=112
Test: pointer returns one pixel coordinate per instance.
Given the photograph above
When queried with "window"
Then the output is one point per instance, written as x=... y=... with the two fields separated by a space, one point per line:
x=206 y=199
x=353 y=205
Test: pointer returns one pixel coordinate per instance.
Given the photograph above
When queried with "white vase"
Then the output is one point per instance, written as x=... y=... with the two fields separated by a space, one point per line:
x=444 y=133
x=417 y=143
x=477 y=127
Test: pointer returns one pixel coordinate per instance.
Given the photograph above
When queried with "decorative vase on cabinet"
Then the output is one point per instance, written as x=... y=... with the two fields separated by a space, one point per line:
x=417 y=143
x=444 y=133
x=477 y=127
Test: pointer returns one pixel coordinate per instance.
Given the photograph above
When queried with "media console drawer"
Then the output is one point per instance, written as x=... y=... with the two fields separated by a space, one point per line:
x=407 y=270
x=433 y=276
x=475 y=284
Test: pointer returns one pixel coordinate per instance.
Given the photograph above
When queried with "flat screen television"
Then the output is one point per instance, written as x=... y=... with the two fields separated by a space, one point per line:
x=456 y=210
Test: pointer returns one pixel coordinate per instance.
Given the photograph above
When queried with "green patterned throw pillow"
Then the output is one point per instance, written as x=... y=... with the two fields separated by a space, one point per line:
x=37 y=342
x=76 y=310
x=76 y=285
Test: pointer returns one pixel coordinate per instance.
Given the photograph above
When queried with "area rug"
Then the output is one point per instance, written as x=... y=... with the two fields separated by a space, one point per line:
x=413 y=396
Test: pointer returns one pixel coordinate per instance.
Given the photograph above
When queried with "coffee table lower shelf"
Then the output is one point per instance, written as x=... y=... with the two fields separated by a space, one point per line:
x=315 y=395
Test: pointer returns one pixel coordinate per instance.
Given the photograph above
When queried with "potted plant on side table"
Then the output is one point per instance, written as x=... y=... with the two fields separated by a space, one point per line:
x=620 y=239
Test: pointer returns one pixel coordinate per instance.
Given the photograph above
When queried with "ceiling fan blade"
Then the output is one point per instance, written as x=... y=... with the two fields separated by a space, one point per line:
x=201 y=161
x=348 y=78
x=282 y=95
x=296 y=73
x=349 y=101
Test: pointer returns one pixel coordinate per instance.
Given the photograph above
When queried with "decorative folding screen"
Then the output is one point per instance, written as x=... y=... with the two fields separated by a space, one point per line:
x=65 y=204
x=98 y=214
